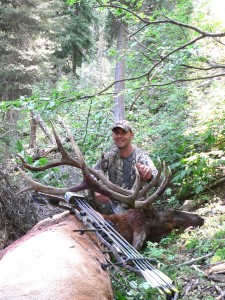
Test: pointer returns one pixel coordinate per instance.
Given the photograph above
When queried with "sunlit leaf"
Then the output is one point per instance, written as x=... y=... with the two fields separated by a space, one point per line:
x=19 y=146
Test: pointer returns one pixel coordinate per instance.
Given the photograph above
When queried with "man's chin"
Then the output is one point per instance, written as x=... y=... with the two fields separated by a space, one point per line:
x=120 y=146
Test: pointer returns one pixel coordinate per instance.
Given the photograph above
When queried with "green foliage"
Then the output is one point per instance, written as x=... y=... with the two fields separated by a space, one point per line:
x=18 y=27
x=19 y=146
x=153 y=250
x=75 y=24
x=196 y=171
x=219 y=255
x=128 y=286
x=40 y=162
x=166 y=118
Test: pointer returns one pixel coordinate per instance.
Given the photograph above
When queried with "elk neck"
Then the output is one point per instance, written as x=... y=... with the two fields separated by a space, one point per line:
x=151 y=211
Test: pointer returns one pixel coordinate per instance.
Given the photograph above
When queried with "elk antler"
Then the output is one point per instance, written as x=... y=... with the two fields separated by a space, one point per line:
x=140 y=203
x=96 y=180
x=33 y=185
x=152 y=183
x=92 y=179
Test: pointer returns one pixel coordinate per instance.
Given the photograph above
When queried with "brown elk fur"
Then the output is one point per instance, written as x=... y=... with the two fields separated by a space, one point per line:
x=52 y=261
x=140 y=225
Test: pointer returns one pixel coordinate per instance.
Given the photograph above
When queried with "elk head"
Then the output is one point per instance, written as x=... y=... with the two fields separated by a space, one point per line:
x=140 y=225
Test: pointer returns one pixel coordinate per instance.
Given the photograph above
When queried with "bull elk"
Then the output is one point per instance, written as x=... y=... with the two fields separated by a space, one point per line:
x=142 y=222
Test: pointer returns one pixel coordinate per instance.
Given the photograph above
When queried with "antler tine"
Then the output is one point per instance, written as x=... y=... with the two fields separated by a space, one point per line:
x=100 y=175
x=77 y=151
x=36 y=186
x=65 y=158
x=160 y=190
x=98 y=186
x=79 y=162
x=129 y=200
x=153 y=183
x=115 y=193
x=58 y=142
x=33 y=185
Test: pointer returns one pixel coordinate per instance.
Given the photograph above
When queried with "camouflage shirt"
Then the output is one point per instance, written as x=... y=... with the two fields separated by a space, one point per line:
x=121 y=172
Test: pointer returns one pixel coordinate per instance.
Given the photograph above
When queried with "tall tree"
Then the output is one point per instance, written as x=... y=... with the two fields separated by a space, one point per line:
x=121 y=36
x=18 y=27
x=71 y=30
x=119 y=87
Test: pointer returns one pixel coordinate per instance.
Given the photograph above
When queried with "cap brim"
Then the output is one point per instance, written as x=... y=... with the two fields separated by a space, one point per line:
x=122 y=127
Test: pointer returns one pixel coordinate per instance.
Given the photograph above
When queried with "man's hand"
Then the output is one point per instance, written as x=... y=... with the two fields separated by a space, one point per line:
x=101 y=198
x=144 y=171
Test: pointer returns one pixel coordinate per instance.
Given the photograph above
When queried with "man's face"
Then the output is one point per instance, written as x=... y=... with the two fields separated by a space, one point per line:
x=122 y=138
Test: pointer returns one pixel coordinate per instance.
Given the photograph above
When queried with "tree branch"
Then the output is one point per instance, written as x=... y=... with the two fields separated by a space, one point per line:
x=213 y=66
x=167 y=20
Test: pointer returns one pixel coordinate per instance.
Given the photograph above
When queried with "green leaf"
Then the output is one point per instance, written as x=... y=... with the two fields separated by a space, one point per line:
x=41 y=162
x=175 y=165
x=145 y=285
x=199 y=189
x=183 y=173
x=19 y=146
x=3 y=105
x=210 y=139
x=46 y=177
x=29 y=159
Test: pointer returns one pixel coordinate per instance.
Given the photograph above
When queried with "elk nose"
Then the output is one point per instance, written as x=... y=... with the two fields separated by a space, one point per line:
x=201 y=221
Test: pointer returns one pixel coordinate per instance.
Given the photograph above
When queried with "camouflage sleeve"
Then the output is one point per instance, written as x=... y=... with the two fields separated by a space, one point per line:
x=103 y=164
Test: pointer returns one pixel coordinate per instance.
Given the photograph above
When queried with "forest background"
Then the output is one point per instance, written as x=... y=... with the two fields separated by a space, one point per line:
x=161 y=65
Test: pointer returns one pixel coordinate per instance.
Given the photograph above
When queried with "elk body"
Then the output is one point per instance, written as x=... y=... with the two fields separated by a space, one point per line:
x=54 y=262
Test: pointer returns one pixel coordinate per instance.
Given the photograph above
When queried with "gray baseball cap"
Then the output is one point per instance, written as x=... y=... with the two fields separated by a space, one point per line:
x=124 y=124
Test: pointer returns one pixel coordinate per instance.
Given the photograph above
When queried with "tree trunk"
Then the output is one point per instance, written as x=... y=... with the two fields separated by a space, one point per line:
x=33 y=131
x=10 y=132
x=119 y=88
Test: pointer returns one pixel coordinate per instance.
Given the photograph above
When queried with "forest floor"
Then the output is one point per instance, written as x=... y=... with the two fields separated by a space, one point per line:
x=200 y=261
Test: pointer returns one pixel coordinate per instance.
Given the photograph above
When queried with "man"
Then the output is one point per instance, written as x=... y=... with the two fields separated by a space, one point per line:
x=119 y=164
